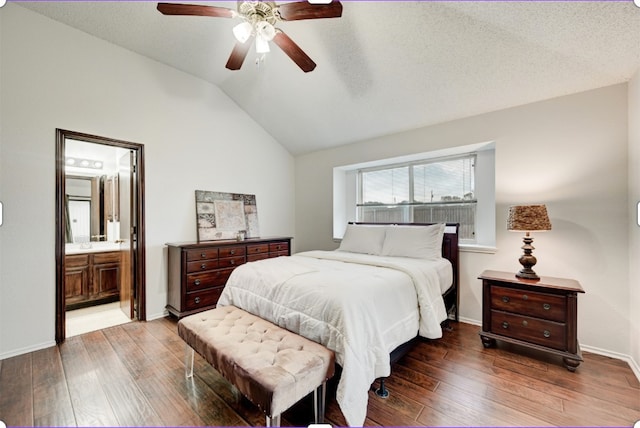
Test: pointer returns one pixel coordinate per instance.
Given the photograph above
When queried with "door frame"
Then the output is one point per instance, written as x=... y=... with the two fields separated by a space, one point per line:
x=138 y=254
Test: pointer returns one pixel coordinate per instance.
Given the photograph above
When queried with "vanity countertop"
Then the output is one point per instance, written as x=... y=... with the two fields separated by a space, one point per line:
x=93 y=247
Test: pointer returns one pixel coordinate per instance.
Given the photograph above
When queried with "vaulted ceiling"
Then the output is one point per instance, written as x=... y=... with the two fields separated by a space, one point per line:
x=385 y=67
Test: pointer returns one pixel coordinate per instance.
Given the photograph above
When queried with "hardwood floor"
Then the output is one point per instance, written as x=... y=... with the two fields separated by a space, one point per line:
x=133 y=375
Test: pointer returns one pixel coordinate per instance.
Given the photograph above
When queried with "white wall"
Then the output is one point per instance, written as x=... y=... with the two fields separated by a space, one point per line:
x=195 y=137
x=634 y=229
x=569 y=153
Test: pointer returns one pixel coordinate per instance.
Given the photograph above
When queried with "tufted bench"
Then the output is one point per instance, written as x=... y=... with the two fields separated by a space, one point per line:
x=273 y=367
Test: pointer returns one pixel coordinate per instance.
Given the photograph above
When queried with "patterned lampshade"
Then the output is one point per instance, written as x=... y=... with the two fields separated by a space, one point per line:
x=528 y=218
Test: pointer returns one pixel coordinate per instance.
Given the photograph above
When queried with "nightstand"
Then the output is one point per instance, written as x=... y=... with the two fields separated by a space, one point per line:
x=540 y=314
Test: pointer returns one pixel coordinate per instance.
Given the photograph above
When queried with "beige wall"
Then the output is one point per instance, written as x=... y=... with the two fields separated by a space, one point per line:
x=634 y=229
x=569 y=153
x=195 y=137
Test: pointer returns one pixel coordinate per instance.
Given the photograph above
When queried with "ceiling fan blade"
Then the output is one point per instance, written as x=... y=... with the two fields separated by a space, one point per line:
x=195 y=9
x=305 y=10
x=294 y=52
x=238 y=54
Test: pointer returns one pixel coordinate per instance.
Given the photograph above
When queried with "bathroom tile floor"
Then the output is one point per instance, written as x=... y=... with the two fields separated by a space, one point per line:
x=94 y=318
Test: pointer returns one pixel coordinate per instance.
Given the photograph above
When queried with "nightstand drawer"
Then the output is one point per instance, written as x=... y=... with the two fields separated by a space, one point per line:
x=533 y=330
x=532 y=303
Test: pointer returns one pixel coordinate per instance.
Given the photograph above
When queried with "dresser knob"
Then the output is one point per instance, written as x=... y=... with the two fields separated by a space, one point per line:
x=197 y=300
x=525 y=297
x=505 y=324
x=233 y=262
x=203 y=266
x=203 y=255
x=546 y=334
x=232 y=252
x=525 y=323
x=505 y=299
x=546 y=306
x=196 y=282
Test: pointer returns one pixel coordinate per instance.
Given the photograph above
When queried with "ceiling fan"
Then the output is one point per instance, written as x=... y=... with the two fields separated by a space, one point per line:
x=258 y=22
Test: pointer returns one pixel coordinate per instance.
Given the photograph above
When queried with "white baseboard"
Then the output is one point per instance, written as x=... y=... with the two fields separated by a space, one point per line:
x=594 y=350
x=157 y=315
x=27 y=349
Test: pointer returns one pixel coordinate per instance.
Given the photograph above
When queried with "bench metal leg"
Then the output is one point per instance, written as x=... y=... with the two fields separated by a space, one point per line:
x=273 y=421
x=319 y=400
x=189 y=355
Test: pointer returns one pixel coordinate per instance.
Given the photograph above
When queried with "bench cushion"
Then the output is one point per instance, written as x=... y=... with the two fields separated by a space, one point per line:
x=271 y=366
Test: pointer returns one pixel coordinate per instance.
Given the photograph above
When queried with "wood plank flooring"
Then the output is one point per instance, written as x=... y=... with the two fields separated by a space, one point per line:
x=133 y=375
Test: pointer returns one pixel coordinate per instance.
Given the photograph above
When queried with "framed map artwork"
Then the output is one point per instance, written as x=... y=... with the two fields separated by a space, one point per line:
x=221 y=215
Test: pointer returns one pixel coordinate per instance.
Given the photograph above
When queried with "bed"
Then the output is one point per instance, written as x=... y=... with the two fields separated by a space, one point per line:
x=383 y=287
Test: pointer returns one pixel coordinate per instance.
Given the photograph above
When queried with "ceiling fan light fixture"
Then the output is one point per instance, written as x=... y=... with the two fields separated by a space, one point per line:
x=242 y=31
x=262 y=45
x=265 y=30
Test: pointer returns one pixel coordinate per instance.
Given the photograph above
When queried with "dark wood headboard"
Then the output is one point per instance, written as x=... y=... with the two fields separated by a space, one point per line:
x=450 y=252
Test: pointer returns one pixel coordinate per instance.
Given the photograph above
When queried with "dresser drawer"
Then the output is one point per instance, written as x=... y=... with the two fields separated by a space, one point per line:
x=231 y=251
x=532 y=303
x=546 y=333
x=216 y=278
x=278 y=246
x=202 y=254
x=256 y=257
x=231 y=261
x=109 y=257
x=257 y=249
x=202 y=265
x=201 y=299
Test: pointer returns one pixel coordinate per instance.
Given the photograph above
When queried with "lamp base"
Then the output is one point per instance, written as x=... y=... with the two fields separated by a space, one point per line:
x=527 y=260
x=527 y=274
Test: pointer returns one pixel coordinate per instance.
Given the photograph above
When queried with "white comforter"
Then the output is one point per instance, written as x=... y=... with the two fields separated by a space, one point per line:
x=360 y=306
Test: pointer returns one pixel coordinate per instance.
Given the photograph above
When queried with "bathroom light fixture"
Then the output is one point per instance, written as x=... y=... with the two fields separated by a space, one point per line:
x=83 y=163
x=528 y=218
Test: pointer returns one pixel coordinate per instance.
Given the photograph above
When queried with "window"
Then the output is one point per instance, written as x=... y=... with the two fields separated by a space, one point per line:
x=454 y=185
x=436 y=190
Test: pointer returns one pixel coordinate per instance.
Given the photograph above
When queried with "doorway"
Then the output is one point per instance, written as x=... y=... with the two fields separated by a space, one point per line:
x=100 y=233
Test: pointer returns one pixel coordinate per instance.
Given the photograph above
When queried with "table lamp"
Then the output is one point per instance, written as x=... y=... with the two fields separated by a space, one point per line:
x=528 y=218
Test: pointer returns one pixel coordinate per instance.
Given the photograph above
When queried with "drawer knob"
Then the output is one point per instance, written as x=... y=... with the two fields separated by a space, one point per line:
x=505 y=299
x=196 y=282
x=546 y=306
x=233 y=262
x=505 y=324
x=203 y=255
x=525 y=297
x=232 y=252
x=203 y=266
x=546 y=334
x=525 y=323
x=197 y=300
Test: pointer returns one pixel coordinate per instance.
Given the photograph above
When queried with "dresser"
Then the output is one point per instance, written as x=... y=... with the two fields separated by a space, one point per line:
x=198 y=271
x=539 y=314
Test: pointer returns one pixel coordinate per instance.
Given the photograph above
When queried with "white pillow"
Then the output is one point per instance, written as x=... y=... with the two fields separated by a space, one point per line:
x=421 y=242
x=363 y=239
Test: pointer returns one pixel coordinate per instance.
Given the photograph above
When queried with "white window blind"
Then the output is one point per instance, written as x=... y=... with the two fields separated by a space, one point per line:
x=438 y=190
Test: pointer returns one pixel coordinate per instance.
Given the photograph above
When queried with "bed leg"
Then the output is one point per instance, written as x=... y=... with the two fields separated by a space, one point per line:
x=189 y=355
x=382 y=392
x=446 y=324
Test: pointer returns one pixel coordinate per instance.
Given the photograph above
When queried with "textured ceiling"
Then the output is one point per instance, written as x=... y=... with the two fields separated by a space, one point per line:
x=385 y=67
